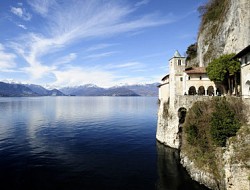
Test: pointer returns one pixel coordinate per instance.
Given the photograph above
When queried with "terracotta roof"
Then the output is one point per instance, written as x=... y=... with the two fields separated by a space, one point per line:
x=165 y=77
x=195 y=70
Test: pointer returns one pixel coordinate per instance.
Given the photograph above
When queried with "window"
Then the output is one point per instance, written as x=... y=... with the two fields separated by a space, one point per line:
x=181 y=79
x=179 y=62
x=200 y=77
x=246 y=59
x=189 y=77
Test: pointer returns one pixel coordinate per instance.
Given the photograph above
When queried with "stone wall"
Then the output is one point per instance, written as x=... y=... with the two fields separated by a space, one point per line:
x=168 y=128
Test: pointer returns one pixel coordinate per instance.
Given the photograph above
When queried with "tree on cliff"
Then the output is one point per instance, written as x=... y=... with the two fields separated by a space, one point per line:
x=191 y=51
x=225 y=71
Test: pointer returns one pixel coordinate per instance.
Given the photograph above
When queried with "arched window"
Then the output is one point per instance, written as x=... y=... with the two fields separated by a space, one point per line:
x=210 y=91
x=182 y=114
x=219 y=91
x=192 y=90
x=201 y=90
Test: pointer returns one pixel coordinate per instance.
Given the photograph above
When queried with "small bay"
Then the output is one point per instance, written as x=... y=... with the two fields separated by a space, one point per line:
x=86 y=143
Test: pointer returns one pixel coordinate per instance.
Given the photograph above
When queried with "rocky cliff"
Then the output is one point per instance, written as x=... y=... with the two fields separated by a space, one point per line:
x=225 y=32
x=233 y=163
x=224 y=29
x=218 y=167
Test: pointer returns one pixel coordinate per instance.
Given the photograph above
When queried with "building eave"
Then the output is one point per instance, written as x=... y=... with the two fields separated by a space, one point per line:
x=165 y=77
x=242 y=52
x=162 y=84
x=195 y=70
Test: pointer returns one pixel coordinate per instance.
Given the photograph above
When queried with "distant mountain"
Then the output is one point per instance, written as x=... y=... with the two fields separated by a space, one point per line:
x=119 y=91
x=123 y=90
x=41 y=91
x=93 y=90
x=20 y=90
x=55 y=92
x=144 y=89
x=38 y=89
x=12 y=90
x=84 y=90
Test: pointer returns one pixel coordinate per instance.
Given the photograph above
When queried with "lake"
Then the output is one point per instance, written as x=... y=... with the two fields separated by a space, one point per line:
x=86 y=143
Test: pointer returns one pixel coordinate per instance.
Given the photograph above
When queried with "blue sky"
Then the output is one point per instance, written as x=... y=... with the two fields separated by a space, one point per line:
x=104 y=42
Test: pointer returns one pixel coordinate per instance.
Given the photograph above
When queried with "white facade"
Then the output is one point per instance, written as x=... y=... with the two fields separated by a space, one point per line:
x=164 y=88
x=244 y=57
x=182 y=81
x=245 y=75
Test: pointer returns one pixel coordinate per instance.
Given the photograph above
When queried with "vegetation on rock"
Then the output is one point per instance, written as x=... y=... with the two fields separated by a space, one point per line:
x=224 y=70
x=212 y=14
x=241 y=146
x=224 y=123
x=212 y=11
x=191 y=51
x=207 y=127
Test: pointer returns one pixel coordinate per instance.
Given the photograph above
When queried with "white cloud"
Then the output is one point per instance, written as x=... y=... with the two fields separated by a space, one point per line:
x=129 y=64
x=99 y=47
x=37 y=71
x=17 y=11
x=42 y=6
x=22 y=26
x=100 y=55
x=66 y=59
x=140 y=3
x=21 y=12
x=76 y=76
x=7 y=60
x=69 y=22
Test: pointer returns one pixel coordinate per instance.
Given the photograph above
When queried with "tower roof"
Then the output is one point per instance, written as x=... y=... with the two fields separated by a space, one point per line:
x=177 y=54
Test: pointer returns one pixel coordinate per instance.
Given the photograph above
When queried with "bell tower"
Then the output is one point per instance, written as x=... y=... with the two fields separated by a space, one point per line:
x=177 y=65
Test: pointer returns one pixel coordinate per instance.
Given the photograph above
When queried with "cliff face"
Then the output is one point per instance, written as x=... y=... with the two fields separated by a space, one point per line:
x=229 y=34
x=233 y=162
x=237 y=161
x=168 y=131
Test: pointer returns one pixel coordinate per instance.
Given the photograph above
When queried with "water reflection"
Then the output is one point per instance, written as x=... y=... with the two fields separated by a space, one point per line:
x=84 y=143
x=172 y=176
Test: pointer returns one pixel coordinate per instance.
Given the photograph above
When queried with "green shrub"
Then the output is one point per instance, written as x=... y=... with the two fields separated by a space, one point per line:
x=192 y=134
x=224 y=123
x=207 y=126
x=191 y=51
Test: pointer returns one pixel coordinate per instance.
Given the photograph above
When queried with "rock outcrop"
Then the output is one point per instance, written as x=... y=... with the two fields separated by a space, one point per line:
x=197 y=174
x=233 y=162
x=167 y=126
x=230 y=34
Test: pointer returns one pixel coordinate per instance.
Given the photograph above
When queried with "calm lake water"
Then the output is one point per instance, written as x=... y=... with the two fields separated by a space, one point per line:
x=86 y=143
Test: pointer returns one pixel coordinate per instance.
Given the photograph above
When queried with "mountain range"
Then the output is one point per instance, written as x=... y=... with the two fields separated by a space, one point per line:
x=22 y=90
